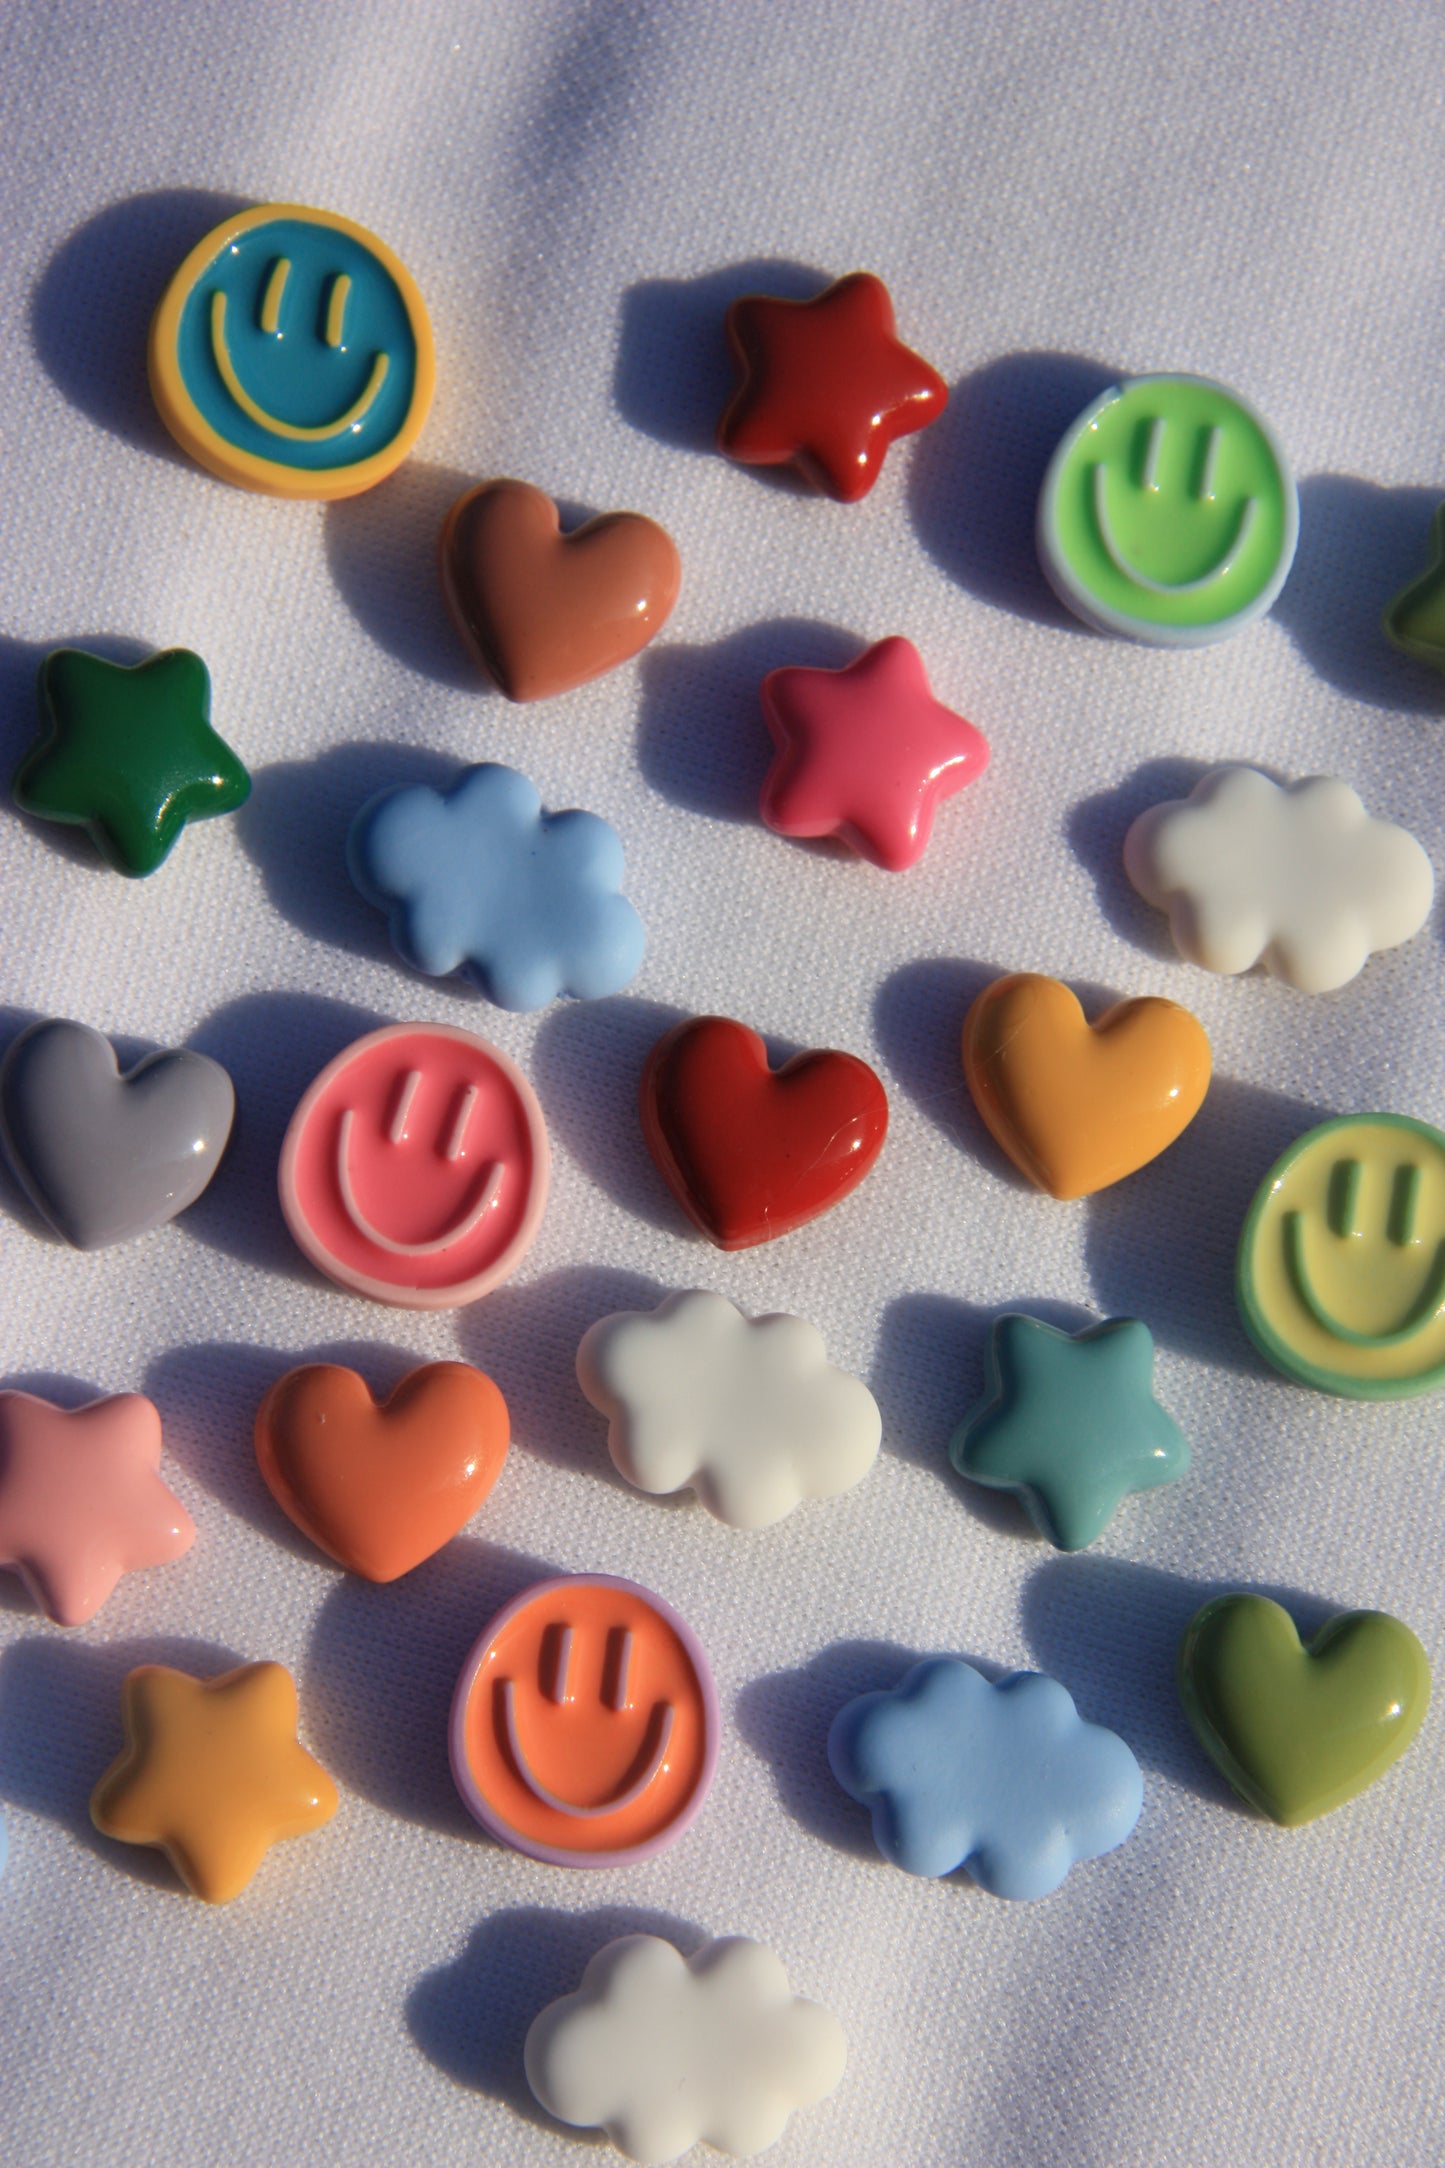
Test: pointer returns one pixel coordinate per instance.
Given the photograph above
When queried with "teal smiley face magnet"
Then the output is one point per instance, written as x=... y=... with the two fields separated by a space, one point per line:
x=291 y=353
x=1169 y=513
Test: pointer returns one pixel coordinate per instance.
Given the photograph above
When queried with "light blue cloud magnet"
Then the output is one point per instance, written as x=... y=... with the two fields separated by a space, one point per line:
x=480 y=880
x=1068 y=1422
x=1007 y=1782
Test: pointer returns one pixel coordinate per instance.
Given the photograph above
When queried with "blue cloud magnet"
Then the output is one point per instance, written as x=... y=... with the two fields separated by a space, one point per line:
x=1007 y=1781
x=480 y=880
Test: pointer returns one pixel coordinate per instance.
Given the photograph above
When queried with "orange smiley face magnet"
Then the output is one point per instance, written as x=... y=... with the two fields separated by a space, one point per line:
x=584 y=1726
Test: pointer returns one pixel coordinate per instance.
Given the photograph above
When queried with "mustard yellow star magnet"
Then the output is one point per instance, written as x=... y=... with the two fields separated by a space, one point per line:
x=212 y=1772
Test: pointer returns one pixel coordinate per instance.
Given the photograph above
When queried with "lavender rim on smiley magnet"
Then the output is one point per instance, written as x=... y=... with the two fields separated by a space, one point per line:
x=105 y=1154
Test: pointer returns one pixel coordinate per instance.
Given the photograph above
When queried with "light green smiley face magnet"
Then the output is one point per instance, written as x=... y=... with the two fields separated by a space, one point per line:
x=1169 y=513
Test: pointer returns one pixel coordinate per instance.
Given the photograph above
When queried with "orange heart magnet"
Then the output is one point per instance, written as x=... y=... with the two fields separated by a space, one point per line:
x=380 y=1486
x=1078 y=1105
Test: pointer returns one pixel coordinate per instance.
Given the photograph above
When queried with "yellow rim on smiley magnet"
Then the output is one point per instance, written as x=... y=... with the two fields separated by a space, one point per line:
x=1341 y=1274
x=291 y=353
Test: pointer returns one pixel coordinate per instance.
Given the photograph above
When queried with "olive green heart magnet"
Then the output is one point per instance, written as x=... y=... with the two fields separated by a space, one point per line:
x=1298 y=1728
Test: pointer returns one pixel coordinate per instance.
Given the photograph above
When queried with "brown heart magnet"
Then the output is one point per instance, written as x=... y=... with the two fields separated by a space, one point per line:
x=380 y=1487
x=543 y=611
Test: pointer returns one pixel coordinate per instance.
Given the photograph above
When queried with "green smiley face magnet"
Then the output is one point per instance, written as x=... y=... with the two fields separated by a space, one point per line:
x=1169 y=513
x=291 y=353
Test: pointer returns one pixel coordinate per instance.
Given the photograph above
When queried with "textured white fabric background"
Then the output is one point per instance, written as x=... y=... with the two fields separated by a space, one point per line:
x=1054 y=193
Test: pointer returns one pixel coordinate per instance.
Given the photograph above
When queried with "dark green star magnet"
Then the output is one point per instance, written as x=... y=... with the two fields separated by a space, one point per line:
x=1415 y=620
x=1069 y=1423
x=128 y=754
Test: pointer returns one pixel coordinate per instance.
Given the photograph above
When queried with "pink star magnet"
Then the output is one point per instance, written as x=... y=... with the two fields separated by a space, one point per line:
x=82 y=1501
x=865 y=753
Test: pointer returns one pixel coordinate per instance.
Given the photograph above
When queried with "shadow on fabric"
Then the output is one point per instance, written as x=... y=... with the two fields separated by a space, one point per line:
x=272 y=1045
x=294 y=826
x=381 y=1668
x=1359 y=544
x=674 y=372
x=60 y=1729
x=587 y=1062
x=701 y=740
x=526 y=1338
x=1096 y=827
x=381 y=549
x=785 y=1717
x=471 y=2016
x=91 y=308
x=1109 y=1630
x=1161 y=1244
x=974 y=481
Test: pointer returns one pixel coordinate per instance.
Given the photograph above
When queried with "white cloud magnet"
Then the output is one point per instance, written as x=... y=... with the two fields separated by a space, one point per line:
x=1300 y=877
x=748 y=1412
x=661 y=2052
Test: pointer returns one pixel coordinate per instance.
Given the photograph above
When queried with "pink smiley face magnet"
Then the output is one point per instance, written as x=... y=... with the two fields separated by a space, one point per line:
x=415 y=1168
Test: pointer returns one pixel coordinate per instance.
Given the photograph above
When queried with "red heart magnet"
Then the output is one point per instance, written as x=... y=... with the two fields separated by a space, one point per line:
x=751 y=1152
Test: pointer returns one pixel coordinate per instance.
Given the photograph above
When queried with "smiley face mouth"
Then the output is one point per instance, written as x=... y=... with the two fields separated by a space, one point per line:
x=1244 y=527
x=657 y=1738
x=489 y=1182
x=1422 y=1311
x=352 y=419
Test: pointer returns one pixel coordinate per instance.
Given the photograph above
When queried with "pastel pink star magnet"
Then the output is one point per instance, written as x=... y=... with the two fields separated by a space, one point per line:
x=82 y=1501
x=865 y=753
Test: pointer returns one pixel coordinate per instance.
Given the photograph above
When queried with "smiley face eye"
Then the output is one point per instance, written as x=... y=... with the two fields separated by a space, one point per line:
x=411 y=1084
x=1151 y=440
x=1404 y=1202
x=1343 y=1200
x=1209 y=462
x=456 y=1136
x=271 y=296
x=1344 y=1196
x=617 y=1668
x=335 y=322
x=554 y=1666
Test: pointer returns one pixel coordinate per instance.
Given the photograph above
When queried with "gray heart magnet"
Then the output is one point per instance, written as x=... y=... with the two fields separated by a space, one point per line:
x=105 y=1156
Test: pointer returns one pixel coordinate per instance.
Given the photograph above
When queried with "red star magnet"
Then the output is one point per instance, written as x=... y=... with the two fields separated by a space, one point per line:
x=826 y=385
x=865 y=753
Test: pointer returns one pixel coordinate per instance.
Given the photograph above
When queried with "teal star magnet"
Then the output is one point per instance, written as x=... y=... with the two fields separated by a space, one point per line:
x=128 y=754
x=1069 y=1423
